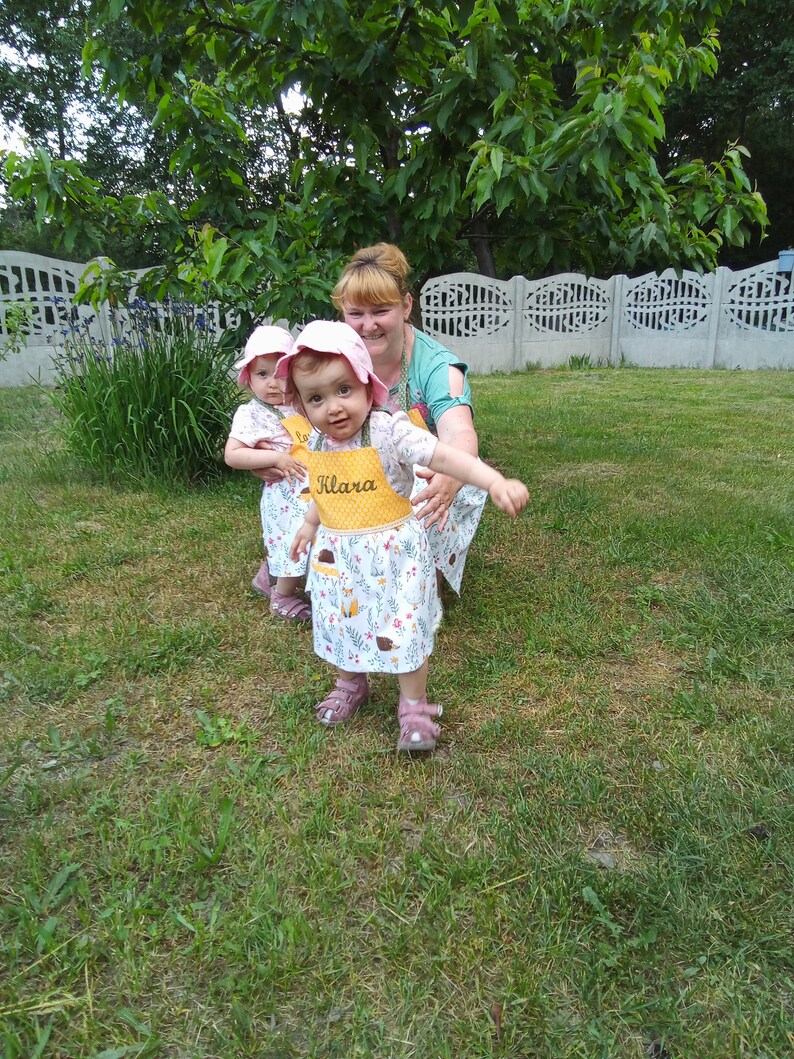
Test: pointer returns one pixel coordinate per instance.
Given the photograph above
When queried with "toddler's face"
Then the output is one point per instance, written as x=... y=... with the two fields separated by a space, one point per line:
x=334 y=399
x=264 y=383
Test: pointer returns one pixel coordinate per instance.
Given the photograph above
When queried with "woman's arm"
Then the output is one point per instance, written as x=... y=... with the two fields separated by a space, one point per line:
x=455 y=428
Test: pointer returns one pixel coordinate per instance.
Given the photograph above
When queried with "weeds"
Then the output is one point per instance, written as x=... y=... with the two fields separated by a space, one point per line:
x=579 y=362
x=152 y=404
x=214 y=731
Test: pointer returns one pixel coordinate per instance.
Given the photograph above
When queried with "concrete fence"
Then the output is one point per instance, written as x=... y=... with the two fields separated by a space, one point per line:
x=46 y=288
x=722 y=319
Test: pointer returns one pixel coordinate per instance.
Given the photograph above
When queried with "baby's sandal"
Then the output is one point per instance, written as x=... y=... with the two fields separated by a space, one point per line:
x=343 y=702
x=291 y=608
x=417 y=730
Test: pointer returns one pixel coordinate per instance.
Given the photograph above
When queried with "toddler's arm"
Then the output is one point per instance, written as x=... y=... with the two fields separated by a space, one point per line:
x=509 y=495
x=245 y=458
x=305 y=534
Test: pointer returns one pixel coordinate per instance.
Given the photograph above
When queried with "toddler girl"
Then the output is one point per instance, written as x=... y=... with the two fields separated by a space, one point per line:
x=267 y=433
x=372 y=575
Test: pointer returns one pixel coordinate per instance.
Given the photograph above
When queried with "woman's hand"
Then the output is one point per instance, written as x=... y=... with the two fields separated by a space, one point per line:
x=271 y=475
x=433 y=503
x=455 y=428
x=283 y=466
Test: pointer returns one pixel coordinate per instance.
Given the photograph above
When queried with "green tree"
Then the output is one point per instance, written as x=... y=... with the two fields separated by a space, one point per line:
x=750 y=99
x=47 y=97
x=520 y=134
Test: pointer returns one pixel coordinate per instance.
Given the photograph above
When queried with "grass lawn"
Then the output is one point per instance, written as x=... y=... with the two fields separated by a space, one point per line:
x=597 y=861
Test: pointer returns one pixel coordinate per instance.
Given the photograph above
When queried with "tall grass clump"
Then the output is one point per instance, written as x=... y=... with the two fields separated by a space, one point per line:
x=155 y=402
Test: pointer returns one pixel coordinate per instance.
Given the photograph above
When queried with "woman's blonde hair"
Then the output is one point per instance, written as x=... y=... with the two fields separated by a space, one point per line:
x=374 y=275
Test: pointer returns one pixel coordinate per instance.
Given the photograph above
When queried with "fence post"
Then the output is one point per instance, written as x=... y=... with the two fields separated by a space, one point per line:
x=718 y=287
x=617 y=317
x=517 y=292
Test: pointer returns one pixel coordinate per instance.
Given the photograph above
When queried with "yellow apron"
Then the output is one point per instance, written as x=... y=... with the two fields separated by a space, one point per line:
x=372 y=577
x=416 y=418
x=352 y=493
x=299 y=428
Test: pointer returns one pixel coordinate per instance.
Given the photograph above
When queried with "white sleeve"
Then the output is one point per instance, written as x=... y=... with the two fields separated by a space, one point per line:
x=252 y=423
x=411 y=444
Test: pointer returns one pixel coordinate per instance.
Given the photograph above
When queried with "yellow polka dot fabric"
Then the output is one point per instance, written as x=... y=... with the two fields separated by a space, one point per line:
x=416 y=418
x=351 y=491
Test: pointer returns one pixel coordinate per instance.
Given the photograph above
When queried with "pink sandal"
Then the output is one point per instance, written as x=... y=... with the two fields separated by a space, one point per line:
x=291 y=608
x=261 y=583
x=417 y=730
x=343 y=702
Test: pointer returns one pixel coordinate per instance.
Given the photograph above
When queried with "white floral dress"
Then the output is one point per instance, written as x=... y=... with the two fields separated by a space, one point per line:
x=375 y=603
x=450 y=546
x=283 y=504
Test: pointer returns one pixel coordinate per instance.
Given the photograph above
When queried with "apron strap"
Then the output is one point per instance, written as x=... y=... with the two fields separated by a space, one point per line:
x=271 y=408
x=404 y=390
x=366 y=436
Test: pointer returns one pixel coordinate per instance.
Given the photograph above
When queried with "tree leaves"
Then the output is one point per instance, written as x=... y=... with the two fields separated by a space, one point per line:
x=541 y=121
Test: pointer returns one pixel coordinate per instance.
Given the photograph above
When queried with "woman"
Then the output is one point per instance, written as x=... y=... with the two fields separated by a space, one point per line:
x=424 y=379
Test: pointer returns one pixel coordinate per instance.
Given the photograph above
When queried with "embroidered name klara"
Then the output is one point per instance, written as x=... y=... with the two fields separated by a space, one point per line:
x=329 y=483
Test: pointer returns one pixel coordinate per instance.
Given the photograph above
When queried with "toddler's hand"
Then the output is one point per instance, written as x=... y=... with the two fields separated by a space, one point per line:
x=509 y=495
x=292 y=469
x=302 y=542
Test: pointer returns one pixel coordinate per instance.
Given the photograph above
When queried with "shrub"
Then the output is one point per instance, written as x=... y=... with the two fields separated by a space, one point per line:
x=156 y=403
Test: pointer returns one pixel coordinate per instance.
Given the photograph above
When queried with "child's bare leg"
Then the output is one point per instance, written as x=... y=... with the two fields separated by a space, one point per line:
x=413 y=686
x=287 y=586
x=418 y=731
x=350 y=692
x=284 y=602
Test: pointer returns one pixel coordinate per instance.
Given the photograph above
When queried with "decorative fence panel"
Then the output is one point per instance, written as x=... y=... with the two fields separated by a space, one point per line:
x=722 y=319
x=46 y=288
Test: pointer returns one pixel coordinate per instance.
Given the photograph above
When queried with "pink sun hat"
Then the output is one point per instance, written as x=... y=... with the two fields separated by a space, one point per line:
x=332 y=336
x=265 y=341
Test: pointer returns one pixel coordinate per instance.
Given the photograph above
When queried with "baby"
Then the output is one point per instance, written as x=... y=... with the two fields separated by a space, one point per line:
x=372 y=574
x=267 y=433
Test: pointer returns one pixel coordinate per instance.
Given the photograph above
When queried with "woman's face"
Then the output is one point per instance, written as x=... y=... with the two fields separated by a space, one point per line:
x=382 y=327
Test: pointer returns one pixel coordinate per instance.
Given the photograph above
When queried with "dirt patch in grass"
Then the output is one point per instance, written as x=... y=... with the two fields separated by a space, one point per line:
x=591 y=471
x=610 y=849
x=653 y=669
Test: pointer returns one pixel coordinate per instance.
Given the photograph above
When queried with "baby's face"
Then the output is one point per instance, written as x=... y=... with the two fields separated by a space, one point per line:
x=335 y=400
x=264 y=383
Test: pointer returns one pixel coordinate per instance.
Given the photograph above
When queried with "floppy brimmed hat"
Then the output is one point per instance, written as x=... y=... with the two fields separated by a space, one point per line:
x=332 y=336
x=265 y=341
